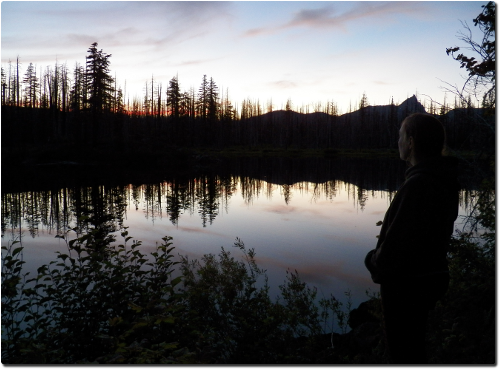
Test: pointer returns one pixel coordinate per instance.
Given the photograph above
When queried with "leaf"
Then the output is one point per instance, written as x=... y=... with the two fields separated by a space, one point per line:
x=167 y=320
x=135 y=307
x=115 y=321
x=176 y=281
x=168 y=346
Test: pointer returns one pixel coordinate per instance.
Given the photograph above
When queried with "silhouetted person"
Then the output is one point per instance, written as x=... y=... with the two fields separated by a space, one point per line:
x=409 y=261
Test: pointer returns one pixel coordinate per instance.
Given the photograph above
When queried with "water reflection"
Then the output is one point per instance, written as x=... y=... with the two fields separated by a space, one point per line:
x=49 y=196
x=318 y=217
x=205 y=196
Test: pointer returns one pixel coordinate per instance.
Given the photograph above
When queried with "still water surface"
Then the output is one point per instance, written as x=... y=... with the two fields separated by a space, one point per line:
x=321 y=229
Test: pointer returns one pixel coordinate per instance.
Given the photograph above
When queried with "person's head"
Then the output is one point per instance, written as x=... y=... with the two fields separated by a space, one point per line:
x=421 y=137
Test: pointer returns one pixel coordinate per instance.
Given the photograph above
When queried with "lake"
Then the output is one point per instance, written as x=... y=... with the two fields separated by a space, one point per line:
x=314 y=215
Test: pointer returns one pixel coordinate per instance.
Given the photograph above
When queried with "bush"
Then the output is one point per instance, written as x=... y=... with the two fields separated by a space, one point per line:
x=101 y=303
x=463 y=324
x=236 y=320
x=88 y=304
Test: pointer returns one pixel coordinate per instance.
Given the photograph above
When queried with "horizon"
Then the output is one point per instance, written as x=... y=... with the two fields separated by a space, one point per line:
x=307 y=52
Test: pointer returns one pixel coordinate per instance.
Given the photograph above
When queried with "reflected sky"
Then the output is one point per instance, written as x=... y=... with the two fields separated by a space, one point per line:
x=323 y=234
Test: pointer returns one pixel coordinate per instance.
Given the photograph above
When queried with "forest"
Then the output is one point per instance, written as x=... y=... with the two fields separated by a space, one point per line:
x=83 y=108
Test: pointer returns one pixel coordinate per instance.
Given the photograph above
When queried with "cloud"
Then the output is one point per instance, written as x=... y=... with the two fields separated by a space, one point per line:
x=330 y=18
x=133 y=23
x=283 y=84
x=195 y=62
x=313 y=17
x=327 y=17
x=257 y=31
x=177 y=22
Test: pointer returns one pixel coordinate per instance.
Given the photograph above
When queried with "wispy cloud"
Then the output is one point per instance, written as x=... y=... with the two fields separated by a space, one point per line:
x=283 y=84
x=134 y=23
x=329 y=17
x=196 y=62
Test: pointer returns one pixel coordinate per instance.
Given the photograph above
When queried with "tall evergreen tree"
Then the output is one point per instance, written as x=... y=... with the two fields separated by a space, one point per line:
x=18 y=92
x=213 y=101
x=174 y=97
x=78 y=90
x=31 y=86
x=187 y=104
x=202 y=102
x=99 y=81
x=4 y=87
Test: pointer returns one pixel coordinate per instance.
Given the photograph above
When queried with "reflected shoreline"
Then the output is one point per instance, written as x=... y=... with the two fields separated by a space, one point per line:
x=104 y=200
x=368 y=173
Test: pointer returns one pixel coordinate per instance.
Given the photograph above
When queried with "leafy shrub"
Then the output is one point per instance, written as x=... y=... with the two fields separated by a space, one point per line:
x=88 y=303
x=100 y=303
x=236 y=320
x=463 y=324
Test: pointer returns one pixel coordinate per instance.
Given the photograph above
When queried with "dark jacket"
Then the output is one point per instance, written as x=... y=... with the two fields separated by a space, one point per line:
x=416 y=231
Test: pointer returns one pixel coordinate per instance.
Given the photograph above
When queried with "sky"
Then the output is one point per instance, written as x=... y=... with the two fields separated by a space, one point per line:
x=308 y=52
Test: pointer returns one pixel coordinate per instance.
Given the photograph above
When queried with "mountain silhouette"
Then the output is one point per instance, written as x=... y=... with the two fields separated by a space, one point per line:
x=410 y=105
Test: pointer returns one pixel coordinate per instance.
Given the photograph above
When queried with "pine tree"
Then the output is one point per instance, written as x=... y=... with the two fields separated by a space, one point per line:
x=4 y=87
x=77 y=92
x=30 y=90
x=99 y=80
x=202 y=102
x=213 y=101
x=18 y=93
x=120 y=108
x=174 y=98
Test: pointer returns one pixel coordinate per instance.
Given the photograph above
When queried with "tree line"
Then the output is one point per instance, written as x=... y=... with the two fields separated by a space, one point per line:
x=87 y=108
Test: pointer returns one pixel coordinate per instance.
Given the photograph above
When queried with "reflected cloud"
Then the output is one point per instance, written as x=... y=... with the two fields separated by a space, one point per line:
x=281 y=209
x=200 y=230
x=342 y=240
x=288 y=209
x=324 y=273
x=317 y=273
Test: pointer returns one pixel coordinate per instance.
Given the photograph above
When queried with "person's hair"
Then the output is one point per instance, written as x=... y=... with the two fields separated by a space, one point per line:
x=428 y=134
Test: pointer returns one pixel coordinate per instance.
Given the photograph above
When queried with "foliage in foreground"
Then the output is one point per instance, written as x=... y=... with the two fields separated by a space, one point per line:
x=107 y=303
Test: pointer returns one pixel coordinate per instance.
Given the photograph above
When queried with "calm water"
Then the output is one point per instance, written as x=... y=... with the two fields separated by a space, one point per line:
x=315 y=216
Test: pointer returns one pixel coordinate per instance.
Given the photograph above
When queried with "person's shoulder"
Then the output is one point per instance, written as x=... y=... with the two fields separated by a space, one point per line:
x=435 y=170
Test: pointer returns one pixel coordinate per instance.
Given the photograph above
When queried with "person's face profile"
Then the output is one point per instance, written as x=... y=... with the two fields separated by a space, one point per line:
x=404 y=144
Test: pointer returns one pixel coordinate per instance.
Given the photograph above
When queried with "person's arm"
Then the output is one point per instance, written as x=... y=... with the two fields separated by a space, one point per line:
x=409 y=221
